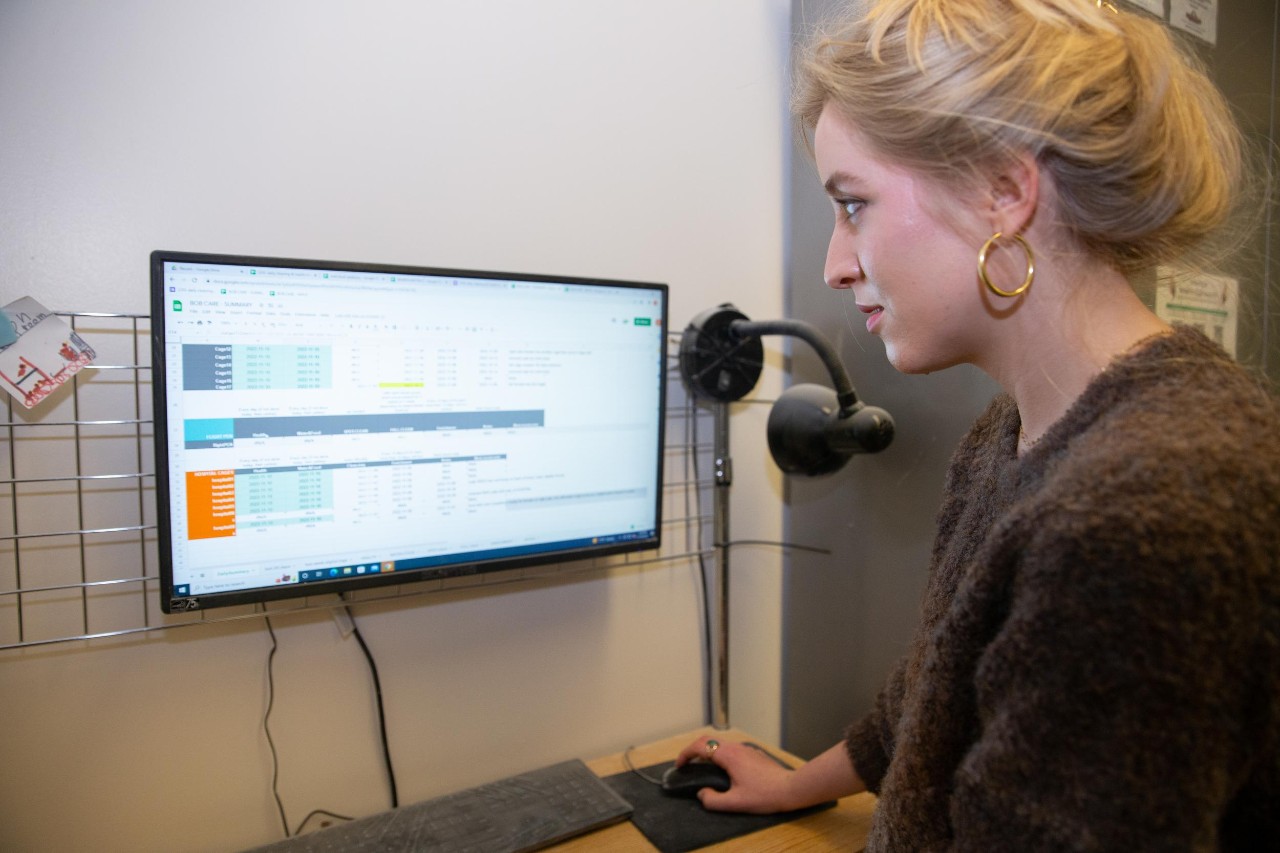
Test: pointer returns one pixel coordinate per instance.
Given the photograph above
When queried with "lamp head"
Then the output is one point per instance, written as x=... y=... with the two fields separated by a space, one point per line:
x=809 y=433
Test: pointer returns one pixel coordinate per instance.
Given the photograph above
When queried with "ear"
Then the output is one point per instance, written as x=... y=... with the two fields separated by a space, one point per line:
x=1014 y=194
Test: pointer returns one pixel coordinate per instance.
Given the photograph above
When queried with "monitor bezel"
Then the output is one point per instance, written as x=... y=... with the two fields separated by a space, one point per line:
x=181 y=604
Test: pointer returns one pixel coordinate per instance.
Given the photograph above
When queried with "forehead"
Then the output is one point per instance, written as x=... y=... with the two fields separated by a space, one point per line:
x=847 y=164
x=843 y=155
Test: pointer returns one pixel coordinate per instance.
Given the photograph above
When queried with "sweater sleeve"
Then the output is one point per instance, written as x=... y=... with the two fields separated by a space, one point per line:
x=869 y=741
x=1120 y=703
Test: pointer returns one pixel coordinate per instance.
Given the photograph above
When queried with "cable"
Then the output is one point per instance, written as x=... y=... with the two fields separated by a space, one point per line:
x=275 y=758
x=691 y=425
x=626 y=760
x=320 y=811
x=786 y=546
x=382 y=717
x=266 y=718
x=691 y=456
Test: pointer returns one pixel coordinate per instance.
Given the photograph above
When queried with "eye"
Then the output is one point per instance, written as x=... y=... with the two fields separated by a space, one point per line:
x=849 y=208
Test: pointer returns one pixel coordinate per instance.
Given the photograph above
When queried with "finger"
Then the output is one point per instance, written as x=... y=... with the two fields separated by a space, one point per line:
x=725 y=801
x=691 y=751
x=700 y=749
x=712 y=800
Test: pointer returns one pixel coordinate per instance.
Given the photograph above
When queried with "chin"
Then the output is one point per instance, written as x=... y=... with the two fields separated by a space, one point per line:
x=904 y=360
x=900 y=359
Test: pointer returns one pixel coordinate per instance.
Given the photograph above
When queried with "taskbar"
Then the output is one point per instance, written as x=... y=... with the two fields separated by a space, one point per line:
x=445 y=564
x=463 y=559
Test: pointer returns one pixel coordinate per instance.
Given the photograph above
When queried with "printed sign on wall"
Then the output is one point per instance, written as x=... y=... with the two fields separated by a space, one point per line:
x=1198 y=17
x=1211 y=303
x=1155 y=7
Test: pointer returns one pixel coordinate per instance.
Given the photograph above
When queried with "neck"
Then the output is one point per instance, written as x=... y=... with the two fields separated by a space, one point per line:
x=1064 y=338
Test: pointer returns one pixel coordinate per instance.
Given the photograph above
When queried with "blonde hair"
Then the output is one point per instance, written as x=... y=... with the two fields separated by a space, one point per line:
x=1141 y=146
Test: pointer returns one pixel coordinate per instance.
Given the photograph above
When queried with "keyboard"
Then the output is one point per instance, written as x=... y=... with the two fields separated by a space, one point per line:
x=513 y=815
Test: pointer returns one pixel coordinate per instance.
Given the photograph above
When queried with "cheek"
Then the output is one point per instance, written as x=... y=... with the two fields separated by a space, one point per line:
x=931 y=297
x=949 y=269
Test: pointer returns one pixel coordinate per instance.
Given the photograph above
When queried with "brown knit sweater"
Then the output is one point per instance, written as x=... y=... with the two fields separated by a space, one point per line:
x=1098 y=665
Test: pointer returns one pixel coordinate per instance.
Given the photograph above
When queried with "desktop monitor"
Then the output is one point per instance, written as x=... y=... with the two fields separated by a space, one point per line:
x=325 y=426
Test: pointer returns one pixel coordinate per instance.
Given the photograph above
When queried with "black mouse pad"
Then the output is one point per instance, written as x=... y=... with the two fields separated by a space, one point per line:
x=679 y=824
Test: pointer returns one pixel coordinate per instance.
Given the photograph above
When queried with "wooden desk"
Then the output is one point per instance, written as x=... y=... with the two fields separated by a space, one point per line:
x=842 y=828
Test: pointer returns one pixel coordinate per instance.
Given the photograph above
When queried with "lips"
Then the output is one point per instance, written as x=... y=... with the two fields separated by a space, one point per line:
x=873 y=312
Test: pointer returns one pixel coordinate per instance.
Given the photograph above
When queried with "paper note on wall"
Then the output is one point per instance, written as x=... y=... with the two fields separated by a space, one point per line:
x=1211 y=303
x=1155 y=7
x=46 y=354
x=1198 y=17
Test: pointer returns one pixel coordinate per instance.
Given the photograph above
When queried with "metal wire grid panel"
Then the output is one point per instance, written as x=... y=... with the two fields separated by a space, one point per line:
x=78 y=545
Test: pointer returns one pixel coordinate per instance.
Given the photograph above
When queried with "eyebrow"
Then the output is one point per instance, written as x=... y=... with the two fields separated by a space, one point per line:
x=837 y=180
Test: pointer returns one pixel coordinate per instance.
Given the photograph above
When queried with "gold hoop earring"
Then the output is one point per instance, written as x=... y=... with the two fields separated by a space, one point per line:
x=982 y=266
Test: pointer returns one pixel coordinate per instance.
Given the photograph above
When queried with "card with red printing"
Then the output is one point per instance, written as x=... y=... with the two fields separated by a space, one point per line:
x=46 y=354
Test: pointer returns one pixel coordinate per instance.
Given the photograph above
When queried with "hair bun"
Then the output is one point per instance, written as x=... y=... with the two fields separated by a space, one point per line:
x=1142 y=147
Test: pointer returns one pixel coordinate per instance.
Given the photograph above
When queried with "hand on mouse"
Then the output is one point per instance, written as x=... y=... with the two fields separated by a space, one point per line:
x=760 y=785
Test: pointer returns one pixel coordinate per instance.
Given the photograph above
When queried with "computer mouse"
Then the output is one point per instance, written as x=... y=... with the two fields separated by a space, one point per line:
x=688 y=780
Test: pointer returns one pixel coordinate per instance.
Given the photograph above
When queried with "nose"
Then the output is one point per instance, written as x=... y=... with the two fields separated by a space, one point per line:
x=842 y=268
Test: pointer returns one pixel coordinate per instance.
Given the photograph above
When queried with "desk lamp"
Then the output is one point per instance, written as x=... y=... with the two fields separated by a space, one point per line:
x=812 y=430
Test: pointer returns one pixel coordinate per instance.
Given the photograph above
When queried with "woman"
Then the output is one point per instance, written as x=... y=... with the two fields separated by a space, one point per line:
x=1098 y=664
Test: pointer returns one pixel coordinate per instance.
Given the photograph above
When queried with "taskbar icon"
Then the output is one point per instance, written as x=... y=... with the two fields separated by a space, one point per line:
x=350 y=570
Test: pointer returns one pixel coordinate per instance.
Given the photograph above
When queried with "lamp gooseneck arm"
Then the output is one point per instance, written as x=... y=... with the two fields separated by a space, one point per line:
x=845 y=395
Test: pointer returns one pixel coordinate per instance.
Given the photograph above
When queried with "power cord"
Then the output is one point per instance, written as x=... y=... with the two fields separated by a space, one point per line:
x=785 y=546
x=266 y=728
x=691 y=429
x=691 y=458
x=275 y=758
x=382 y=717
x=626 y=760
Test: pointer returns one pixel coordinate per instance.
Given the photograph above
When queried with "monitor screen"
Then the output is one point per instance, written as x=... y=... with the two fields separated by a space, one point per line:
x=324 y=426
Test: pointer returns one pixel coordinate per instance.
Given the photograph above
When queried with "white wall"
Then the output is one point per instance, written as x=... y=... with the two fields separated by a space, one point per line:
x=634 y=139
